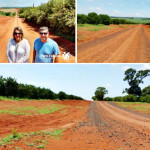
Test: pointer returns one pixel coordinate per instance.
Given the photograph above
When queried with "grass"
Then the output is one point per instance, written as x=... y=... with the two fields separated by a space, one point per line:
x=136 y=20
x=4 y=98
x=30 y=110
x=37 y=143
x=138 y=106
x=90 y=27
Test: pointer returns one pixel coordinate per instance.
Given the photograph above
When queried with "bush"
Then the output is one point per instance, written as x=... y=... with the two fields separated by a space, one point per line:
x=108 y=99
x=129 y=98
x=145 y=98
x=118 y=99
x=58 y=15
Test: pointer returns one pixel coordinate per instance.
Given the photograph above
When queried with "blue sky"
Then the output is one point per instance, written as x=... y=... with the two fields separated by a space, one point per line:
x=21 y=3
x=78 y=79
x=123 y=8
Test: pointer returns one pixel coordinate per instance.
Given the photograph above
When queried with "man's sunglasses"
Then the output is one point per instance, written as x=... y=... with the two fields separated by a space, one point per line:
x=17 y=33
x=45 y=33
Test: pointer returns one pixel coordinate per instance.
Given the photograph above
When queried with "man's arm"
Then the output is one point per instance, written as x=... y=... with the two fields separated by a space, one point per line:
x=34 y=54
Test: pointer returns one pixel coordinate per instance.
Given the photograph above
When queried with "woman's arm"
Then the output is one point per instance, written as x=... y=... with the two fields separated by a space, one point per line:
x=8 y=49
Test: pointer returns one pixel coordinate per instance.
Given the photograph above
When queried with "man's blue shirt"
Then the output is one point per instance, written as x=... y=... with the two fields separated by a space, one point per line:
x=45 y=51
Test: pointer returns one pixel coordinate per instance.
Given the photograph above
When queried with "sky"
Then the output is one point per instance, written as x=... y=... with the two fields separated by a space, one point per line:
x=21 y=3
x=119 y=8
x=77 y=79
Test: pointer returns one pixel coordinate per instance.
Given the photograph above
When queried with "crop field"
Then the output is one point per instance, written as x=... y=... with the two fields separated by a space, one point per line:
x=35 y=124
x=137 y=20
x=90 y=27
x=137 y=106
x=12 y=10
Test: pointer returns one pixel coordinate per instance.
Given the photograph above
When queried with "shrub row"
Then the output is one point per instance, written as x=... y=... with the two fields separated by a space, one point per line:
x=94 y=18
x=10 y=87
x=129 y=98
x=58 y=15
x=7 y=14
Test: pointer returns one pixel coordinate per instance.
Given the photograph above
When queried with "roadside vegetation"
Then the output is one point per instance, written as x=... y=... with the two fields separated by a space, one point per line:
x=94 y=18
x=10 y=88
x=32 y=110
x=138 y=106
x=38 y=139
x=58 y=15
x=2 y=13
x=90 y=27
x=135 y=93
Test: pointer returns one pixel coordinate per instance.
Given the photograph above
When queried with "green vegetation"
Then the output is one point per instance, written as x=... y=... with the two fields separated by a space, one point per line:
x=94 y=18
x=2 y=13
x=58 y=15
x=135 y=94
x=137 y=20
x=143 y=107
x=99 y=94
x=36 y=143
x=9 y=88
x=134 y=78
x=30 y=110
x=91 y=27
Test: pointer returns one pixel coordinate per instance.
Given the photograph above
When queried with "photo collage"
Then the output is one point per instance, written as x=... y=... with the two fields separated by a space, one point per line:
x=74 y=75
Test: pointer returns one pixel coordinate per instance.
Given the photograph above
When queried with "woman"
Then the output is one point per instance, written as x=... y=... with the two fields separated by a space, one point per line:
x=18 y=48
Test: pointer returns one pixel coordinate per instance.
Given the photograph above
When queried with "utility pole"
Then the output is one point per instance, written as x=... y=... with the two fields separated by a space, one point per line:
x=33 y=4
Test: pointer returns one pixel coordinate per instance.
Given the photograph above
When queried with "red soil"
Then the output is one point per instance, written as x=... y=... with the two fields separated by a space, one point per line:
x=99 y=126
x=119 y=45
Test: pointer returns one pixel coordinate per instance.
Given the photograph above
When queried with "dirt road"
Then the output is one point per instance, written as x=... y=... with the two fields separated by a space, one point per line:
x=88 y=126
x=7 y=25
x=130 y=45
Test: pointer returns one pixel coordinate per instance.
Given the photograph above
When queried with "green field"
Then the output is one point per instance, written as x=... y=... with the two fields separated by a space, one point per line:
x=137 y=106
x=90 y=27
x=136 y=20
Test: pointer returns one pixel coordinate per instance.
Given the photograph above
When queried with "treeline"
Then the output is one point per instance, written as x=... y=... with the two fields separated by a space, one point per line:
x=9 y=87
x=2 y=13
x=94 y=18
x=58 y=15
x=134 y=91
x=129 y=98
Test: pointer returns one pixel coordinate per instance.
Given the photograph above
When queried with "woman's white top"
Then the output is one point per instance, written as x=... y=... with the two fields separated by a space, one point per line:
x=18 y=52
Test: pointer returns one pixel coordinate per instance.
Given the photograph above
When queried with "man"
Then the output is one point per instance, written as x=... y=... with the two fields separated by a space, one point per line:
x=46 y=50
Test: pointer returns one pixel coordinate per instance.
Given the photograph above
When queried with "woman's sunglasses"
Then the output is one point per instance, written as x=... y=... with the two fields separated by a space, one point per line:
x=17 y=33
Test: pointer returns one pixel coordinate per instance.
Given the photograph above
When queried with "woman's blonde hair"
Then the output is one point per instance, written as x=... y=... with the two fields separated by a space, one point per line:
x=19 y=29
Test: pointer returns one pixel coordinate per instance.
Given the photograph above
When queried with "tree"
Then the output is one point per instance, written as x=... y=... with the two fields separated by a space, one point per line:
x=100 y=93
x=11 y=87
x=62 y=95
x=93 y=18
x=146 y=91
x=134 y=78
x=104 y=19
x=81 y=18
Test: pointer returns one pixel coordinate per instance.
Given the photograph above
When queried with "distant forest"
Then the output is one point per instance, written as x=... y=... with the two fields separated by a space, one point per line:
x=94 y=18
x=10 y=88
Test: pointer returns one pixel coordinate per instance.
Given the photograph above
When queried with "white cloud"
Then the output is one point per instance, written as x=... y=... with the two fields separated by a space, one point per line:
x=124 y=68
x=144 y=67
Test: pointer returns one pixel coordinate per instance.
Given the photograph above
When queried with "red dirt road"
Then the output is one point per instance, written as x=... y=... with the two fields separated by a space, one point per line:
x=129 y=45
x=99 y=126
x=7 y=25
